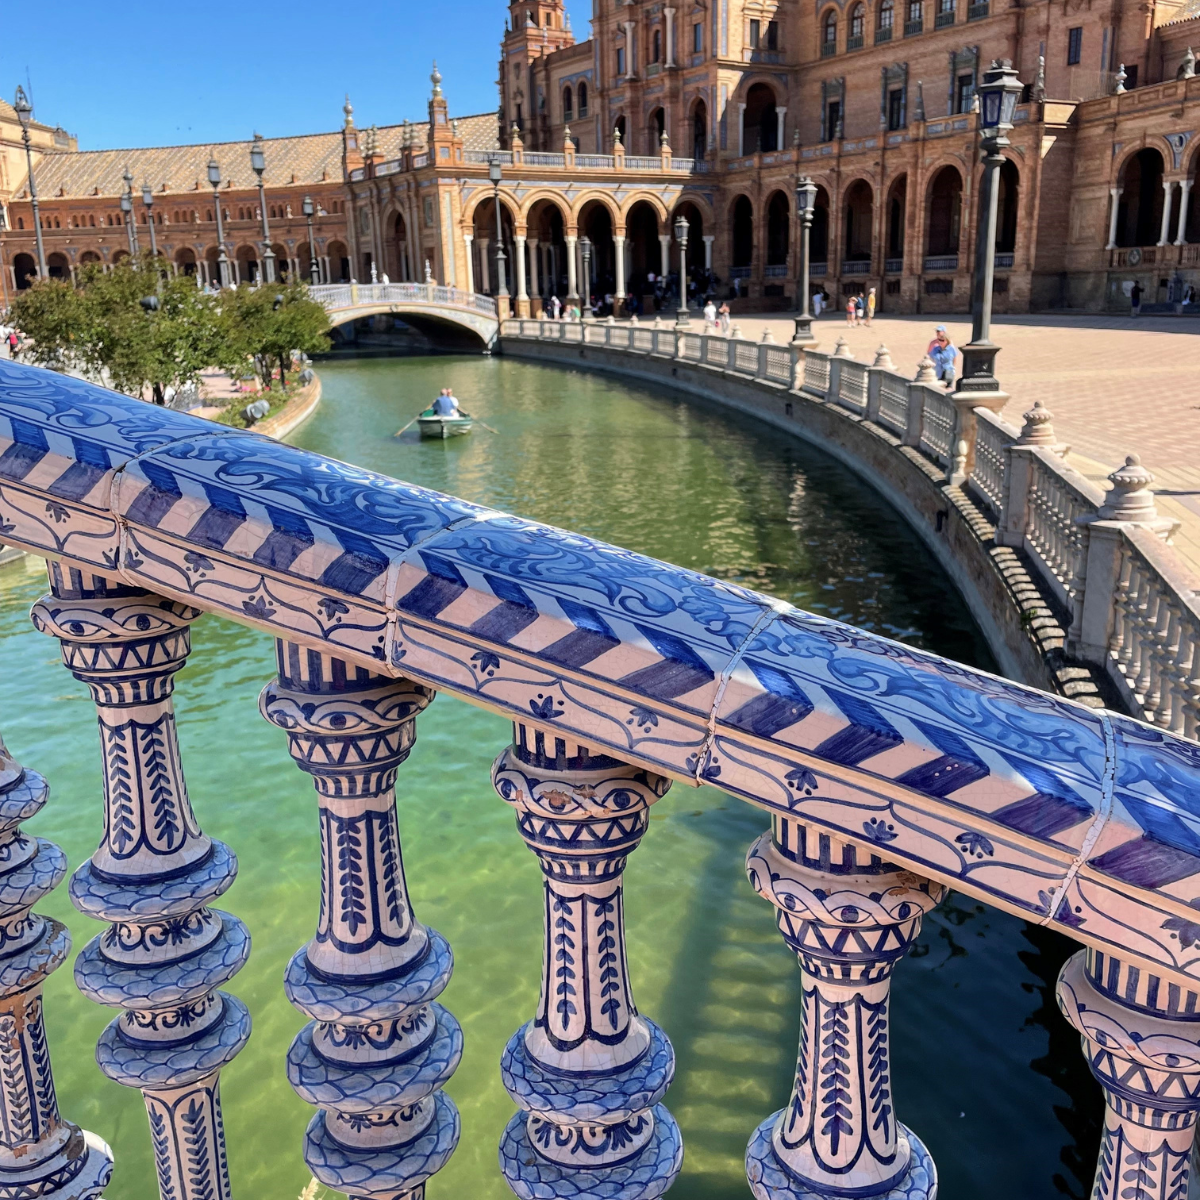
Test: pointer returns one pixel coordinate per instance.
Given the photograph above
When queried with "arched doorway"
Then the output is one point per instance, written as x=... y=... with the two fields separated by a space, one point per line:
x=58 y=266
x=401 y=263
x=1139 y=210
x=699 y=130
x=760 y=121
x=778 y=221
x=897 y=216
x=1006 y=208
x=620 y=130
x=944 y=215
x=246 y=262
x=742 y=238
x=643 y=253
x=185 y=261
x=486 y=271
x=698 y=275
x=283 y=263
x=339 y=262
x=655 y=128
x=858 y=223
x=818 y=241
x=25 y=270
x=546 y=247
x=596 y=224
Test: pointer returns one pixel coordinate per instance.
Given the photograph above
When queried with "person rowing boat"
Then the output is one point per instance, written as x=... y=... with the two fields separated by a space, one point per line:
x=446 y=405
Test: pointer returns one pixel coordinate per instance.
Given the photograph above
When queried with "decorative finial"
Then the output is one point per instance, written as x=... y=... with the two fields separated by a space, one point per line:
x=1130 y=498
x=616 y=135
x=768 y=338
x=926 y=371
x=1189 y=64
x=1038 y=429
x=428 y=272
x=454 y=127
x=1039 y=82
x=883 y=359
x=348 y=110
x=663 y=141
x=841 y=349
x=435 y=77
x=975 y=103
x=1121 y=77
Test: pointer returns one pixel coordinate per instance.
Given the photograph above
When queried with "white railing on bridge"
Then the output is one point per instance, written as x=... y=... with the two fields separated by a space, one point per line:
x=351 y=295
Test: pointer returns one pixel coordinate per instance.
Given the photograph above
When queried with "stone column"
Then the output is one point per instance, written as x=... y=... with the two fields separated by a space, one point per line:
x=535 y=289
x=1115 y=194
x=1185 y=191
x=377 y=1049
x=741 y=120
x=467 y=241
x=664 y=243
x=153 y=878
x=484 y=266
x=850 y=919
x=670 y=15
x=780 y=126
x=708 y=240
x=619 y=249
x=1141 y=1035
x=572 y=277
x=588 y=1072
x=41 y=1155
x=522 y=296
x=1168 y=186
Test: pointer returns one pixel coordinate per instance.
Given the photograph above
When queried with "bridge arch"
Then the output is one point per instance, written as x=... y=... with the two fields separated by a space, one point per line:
x=451 y=318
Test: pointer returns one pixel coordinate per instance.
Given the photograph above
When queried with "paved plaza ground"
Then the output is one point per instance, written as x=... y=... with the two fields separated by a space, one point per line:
x=1115 y=385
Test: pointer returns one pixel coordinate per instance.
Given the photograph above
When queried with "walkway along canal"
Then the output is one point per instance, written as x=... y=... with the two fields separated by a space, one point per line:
x=980 y=1054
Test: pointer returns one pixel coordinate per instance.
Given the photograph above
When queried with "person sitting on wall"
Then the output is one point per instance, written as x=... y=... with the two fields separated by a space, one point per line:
x=446 y=405
x=943 y=353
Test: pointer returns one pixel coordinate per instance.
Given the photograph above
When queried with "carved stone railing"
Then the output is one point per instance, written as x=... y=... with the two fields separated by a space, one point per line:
x=351 y=295
x=889 y=775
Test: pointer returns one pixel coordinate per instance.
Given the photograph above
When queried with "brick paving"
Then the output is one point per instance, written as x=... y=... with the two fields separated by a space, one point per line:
x=1115 y=385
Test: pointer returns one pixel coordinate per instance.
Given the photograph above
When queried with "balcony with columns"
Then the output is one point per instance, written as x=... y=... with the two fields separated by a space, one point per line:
x=885 y=776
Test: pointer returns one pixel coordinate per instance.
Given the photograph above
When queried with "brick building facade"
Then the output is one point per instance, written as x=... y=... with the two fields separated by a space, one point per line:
x=715 y=108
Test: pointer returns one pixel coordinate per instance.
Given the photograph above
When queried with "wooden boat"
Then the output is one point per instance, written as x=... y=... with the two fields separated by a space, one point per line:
x=432 y=425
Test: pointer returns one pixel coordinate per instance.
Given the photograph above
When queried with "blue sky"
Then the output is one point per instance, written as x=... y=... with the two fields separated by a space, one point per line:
x=149 y=74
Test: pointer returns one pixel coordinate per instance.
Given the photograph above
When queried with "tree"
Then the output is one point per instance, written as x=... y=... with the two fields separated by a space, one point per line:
x=267 y=323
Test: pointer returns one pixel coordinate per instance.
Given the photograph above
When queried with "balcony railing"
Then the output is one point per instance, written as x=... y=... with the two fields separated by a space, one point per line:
x=976 y=12
x=819 y=270
x=775 y=271
x=856 y=267
x=828 y=49
x=941 y=262
x=1004 y=261
x=944 y=19
x=911 y=28
x=854 y=41
x=883 y=34
x=890 y=775
x=538 y=158
x=739 y=272
x=893 y=266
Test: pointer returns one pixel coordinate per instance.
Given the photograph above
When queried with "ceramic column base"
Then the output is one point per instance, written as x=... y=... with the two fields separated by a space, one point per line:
x=383 y=1172
x=771 y=1180
x=80 y=1172
x=645 y=1176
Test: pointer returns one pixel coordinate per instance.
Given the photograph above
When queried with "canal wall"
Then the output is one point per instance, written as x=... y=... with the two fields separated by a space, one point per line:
x=1017 y=615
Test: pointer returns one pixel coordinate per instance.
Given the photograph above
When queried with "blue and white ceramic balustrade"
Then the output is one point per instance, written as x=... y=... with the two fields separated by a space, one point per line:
x=41 y=1155
x=588 y=1073
x=850 y=918
x=378 y=1047
x=166 y=952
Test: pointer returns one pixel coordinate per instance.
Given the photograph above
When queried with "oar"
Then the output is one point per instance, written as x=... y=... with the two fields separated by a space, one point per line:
x=485 y=425
x=409 y=425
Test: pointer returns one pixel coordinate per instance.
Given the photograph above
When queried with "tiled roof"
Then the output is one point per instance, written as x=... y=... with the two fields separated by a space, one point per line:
x=310 y=158
x=1188 y=11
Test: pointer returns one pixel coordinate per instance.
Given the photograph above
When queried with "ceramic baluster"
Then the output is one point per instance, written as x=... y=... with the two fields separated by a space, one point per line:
x=850 y=918
x=1141 y=1036
x=153 y=878
x=41 y=1155
x=588 y=1072
x=377 y=1049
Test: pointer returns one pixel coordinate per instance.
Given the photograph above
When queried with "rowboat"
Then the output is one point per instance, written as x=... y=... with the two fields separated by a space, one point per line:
x=432 y=425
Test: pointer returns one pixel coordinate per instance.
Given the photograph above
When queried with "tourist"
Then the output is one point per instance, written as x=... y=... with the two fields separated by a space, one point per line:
x=851 y=310
x=14 y=345
x=942 y=352
x=870 y=305
x=446 y=405
x=860 y=309
x=555 y=308
x=710 y=315
x=1135 y=299
x=723 y=317
x=818 y=303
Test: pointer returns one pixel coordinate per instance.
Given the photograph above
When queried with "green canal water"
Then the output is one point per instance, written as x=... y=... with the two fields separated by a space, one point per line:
x=985 y=1069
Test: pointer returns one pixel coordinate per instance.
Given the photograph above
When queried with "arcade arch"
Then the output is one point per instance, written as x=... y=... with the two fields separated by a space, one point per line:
x=943 y=209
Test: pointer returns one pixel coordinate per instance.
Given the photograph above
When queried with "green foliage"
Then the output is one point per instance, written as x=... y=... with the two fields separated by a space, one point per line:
x=101 y=327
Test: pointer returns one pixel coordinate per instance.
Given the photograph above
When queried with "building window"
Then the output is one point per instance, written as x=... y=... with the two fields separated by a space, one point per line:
x=833 y=120
x=829 y=35
x=964 y=92
x=568 y=108
x=915 y=14
x=549 y=20
x=620 y=61
x=754 y=35
x=858 y=21
x=698 y=38
x=656 y=44
x=887 y=14
x=20 y=222
x=1131 y=73
x=895 y=108
x=772 y=35
x=1074 y=46
x=583 y=100
x=945 y=14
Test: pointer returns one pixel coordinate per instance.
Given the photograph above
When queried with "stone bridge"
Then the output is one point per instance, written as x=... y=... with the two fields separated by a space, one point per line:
x=425 y=305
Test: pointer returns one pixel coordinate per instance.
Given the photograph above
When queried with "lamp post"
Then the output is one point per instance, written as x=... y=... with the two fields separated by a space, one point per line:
x=148 y=201
x=127 y=217
x=214 y=178
x=24 y=111
x=998 y=94
x=258 y=164
x=806 y=199
x=682 y=321
x=495 y=174
x=314 y=272
x=585 y=248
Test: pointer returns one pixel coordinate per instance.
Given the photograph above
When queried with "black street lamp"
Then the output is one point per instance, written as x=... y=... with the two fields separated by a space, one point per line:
x=682 y=321
x=148 y=201
x=314 y=272
x=585 y=248
x=495 y=174
x=258 y=164
x=214 y=178
x=998 y=95
x=806 y=200
x=24 y=111
x=127 y=217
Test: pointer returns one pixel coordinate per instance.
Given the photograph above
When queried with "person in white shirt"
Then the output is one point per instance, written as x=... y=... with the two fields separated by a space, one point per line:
x=446 y=405
x=710 y=315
